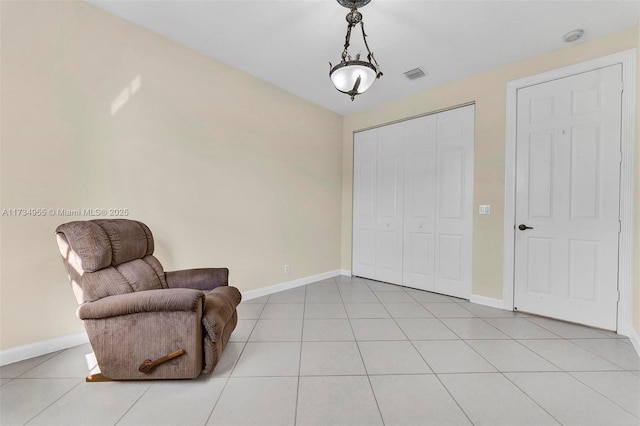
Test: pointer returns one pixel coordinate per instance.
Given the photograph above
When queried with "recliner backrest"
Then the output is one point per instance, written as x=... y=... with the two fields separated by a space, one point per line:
x=107 y=257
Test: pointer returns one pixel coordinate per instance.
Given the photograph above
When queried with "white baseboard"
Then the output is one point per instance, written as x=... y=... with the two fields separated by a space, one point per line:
x=19 y=353
x=635 y=340
x=346 y=272
x=265 y=291
x=487 y=301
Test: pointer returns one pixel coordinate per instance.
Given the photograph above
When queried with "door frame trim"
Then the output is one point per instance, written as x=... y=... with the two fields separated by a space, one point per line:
x=625 y=259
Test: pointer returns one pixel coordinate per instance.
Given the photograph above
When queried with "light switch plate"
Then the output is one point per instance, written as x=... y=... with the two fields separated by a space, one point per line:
x=484 y=209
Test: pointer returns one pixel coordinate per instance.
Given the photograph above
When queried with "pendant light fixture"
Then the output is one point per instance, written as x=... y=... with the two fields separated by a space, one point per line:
x=354 y=76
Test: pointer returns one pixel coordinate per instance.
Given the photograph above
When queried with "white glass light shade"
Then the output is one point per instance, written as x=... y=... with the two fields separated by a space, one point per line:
x=344 y=76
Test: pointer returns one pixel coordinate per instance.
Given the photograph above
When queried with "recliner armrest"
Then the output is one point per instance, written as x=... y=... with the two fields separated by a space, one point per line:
x=200 y=279
x=167 y=300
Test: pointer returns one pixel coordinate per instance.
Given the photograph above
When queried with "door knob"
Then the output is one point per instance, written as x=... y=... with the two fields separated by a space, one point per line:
x=522 y=227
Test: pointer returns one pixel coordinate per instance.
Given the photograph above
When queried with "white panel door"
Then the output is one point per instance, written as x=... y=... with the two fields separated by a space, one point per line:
x=365 y=203
x=419 y=203
x=389 y=220
x=454 y=201
x=567 y=192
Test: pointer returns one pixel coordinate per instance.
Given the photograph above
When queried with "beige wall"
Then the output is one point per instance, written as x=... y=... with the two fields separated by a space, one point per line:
x=226 y=170
x=488 y=91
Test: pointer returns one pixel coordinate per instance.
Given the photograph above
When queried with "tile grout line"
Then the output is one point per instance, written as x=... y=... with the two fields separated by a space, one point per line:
x=39 y=364
x=425 y=361
x=304 y=309
x=579 y=347
x=519 y=341
x=498 y=371
x=54 y=401
x=135 y=402
x=364 y=365
x=502 y=373
x=530 y=397
x=226 y=382
x=56 y=378
x=478 y=353
x=560 y=370
x=228 y=378
x=598 y=392
x=19 y=376
x=596 y=354
x=533 y=316
x=521 y=344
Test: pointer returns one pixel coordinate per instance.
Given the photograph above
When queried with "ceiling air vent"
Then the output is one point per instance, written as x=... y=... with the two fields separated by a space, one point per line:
x=414 y=74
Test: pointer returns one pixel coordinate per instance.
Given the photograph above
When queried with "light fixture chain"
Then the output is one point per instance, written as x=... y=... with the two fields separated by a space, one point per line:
x=347 y=41
x=370 y=56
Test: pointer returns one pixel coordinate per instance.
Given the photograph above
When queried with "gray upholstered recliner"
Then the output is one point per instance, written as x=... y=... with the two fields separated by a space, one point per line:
x=142 y=322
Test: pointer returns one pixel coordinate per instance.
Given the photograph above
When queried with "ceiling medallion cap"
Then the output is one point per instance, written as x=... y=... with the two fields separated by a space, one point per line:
x=353 y=4
x=354 y=17
x=572 y=36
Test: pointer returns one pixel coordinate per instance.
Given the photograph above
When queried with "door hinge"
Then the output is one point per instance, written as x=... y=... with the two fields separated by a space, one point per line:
x=620 y=157
x=618 y=295
x=621 y=86
x=619 y=226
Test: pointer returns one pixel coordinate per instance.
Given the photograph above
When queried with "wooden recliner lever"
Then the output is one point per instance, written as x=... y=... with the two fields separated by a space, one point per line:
x=148 y=365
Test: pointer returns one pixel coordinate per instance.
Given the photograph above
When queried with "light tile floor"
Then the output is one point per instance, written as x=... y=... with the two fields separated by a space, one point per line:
x=356 y=352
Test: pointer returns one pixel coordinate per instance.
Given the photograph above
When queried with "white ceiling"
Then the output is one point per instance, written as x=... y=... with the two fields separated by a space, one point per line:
x=290 y=43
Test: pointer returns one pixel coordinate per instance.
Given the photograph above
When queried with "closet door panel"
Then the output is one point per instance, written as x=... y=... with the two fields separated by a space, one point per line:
x=364 y=203
x=451 y=182
x=450 y=257
x=389 y=220
x=454 y=198
x=419 y=203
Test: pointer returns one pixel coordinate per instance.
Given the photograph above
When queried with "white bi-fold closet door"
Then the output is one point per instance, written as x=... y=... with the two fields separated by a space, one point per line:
x=413 y=194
